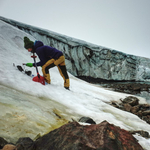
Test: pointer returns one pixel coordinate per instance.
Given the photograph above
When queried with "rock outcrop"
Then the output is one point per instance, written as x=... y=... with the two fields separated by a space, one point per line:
x=74 y=136
x=77 y=137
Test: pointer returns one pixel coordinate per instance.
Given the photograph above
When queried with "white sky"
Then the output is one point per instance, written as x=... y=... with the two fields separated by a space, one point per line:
x=122 y=25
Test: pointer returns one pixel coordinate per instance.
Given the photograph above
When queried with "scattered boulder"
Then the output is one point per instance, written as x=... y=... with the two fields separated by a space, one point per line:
x=87 y=120
x=127 y=107
x=133 y=101
x=146 y=112
x=3 y=142
x=144 y=134
x=135 y=109
x=25 y=144
x=131 y=104
x=9 y=147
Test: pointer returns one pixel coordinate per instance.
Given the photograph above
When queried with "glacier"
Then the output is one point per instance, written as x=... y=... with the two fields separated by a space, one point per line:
x=89 y=60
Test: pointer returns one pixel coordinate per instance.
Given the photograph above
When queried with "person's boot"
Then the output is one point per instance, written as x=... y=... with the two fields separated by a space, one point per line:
x=47 y=78
x=66 y=84
x=67 y=88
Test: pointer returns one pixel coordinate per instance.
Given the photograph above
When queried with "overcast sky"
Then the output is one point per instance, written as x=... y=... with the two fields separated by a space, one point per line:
x=122 y=25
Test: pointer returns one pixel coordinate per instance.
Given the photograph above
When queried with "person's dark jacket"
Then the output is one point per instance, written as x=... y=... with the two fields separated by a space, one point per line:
x=45 y=53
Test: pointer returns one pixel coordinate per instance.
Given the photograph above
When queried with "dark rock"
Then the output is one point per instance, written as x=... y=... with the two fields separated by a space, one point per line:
x=87 y=120
x=3 y=142
x=130 y=104
x=139 y=113
x=73 y=136
x=146 y=112
x=25 y=144
x=127 y=107
x=144 y=134
x=146 y=118
x=131 y=100
x=144 y=107
x=115 y=104
x=135 y=109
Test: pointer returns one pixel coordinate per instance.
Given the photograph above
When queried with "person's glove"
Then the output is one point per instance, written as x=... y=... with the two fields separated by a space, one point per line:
x=29 y=64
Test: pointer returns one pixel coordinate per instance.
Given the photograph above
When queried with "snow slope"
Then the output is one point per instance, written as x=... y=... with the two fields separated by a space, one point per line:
x=28 y=108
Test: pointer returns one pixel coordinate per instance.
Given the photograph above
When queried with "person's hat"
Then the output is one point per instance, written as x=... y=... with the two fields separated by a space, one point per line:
x=28 y=43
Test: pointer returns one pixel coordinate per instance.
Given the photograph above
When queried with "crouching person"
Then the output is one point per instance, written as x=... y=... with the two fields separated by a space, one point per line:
x=49 y=57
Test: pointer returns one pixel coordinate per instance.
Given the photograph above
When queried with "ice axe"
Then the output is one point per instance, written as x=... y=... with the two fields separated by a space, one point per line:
x=38 y=78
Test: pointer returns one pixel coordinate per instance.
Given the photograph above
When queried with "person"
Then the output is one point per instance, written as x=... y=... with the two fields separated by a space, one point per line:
x=49 y=57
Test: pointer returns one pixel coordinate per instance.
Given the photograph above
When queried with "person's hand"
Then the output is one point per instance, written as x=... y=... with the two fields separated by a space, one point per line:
x=29 y=64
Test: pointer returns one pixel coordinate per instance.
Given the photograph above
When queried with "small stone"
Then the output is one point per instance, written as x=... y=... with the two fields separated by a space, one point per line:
x=9 y=147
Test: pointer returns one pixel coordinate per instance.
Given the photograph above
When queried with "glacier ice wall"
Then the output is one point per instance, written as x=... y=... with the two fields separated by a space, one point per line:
x=86 y=59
